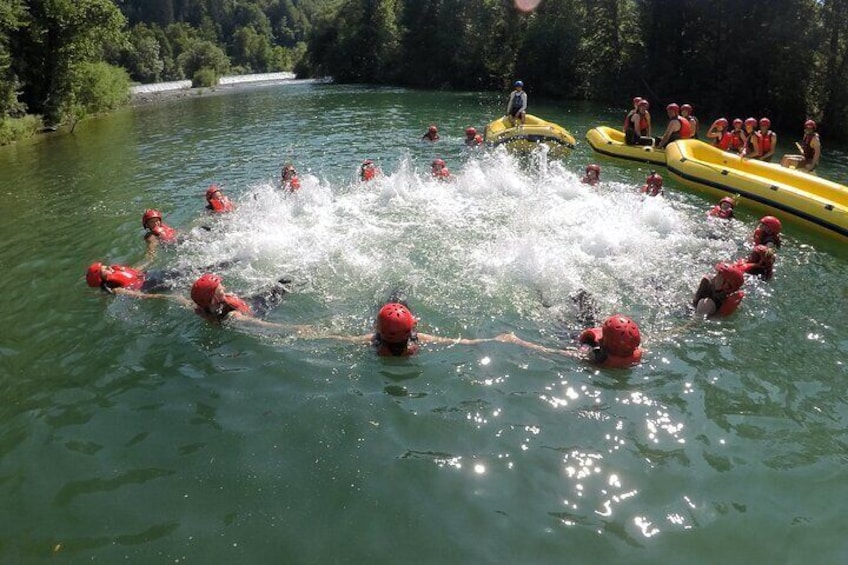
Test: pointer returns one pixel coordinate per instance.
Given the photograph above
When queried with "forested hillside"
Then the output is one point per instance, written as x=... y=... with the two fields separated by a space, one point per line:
x=781 y=58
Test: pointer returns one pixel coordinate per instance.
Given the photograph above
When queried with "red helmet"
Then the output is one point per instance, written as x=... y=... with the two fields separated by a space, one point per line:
x=366 y=163
x=751 y=122
x=432 y=129
x=470 y=131
x=620 y=335
x=727 y=199
x=637 y=100
x=686 y=108
x=809 y=124
x=721 y=122
x=395 y=322
x=204 y=288
x=765 y=123
x=771 y=223
x=733 y=277
x=93 y=276
x=210 y=192
x=644 y=103
x=149 y=215
x=737 y=122
x=654 y=178
x=438 y=163
x=593 y=167
x=673 y=108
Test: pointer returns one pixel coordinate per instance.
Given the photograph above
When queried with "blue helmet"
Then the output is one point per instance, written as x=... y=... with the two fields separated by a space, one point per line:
x=519 y=83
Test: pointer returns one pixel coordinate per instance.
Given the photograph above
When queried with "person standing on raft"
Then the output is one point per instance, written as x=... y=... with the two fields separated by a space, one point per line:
x=516 y=106
x=810 y=148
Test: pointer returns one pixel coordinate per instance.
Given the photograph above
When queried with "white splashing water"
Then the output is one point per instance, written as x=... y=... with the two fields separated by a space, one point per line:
x=503 y=233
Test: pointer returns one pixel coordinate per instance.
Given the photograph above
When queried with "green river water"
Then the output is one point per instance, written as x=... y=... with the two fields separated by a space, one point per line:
x=133 y=431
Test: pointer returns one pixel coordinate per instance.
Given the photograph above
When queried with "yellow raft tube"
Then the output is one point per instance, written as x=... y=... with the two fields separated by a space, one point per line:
x=525 y=138
x=610 y=141
x=817 y=202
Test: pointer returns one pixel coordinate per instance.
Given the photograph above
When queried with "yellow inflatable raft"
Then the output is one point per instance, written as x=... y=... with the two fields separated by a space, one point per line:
x=609 y=141
x=525 y=138
x=817 y=202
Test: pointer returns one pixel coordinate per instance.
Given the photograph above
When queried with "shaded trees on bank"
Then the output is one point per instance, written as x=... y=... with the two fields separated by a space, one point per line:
x=782 y=58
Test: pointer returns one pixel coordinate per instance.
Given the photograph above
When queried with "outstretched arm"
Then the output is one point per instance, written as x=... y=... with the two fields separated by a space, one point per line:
x=147 y=295
x=512 y=338
x=429 y=338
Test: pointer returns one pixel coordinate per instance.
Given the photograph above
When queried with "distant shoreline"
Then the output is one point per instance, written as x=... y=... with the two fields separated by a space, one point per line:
x=142 y=95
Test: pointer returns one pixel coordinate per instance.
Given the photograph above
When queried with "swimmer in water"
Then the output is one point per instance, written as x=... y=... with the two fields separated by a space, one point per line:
x=156 y=231
x=368 y=171
x=432 y=134
x=593 y=174
x=760 y=263
x=768 y=232
x=653 y=185
x=216 y=202
x=720 y=295
x=615 y=344
x=439 y=170
x=288 y=178
x=395 y=333
x=724 y=209
x=213 y=303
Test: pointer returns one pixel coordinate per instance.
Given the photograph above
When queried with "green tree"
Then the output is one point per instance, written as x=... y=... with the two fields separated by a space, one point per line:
x=61 y=36
x=203 y=55
x=97 y=87
x=12 y=18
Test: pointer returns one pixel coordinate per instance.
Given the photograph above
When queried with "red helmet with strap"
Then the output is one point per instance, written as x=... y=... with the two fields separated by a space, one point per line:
x=620 y=335
x=644 y=103
x=149 y=215
x=673 y=108
x=210 y=192
x=204 y=288
x=765 y=123
x=721 y=122
x=737 y=122
x=771 y=223
x=810 y=124
x=432 y=129
x=93 y=276
x=727 y=200
x=470 y=131
x=751 y=122
x=593 y=167
x=438 y=163
x=686 y=108
x=732 y=275
x=395 y=322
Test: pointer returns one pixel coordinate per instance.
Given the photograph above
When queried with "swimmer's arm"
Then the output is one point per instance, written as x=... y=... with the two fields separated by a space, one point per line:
x=512 y=338
x=429 y=338
x=152 y=243
x=145 y=295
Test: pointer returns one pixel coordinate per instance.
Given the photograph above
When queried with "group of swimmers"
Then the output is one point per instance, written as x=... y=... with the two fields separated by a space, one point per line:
x=720 y=295
x=751 y=138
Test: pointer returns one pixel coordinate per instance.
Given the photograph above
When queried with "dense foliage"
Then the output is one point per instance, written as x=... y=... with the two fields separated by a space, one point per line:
x=782 y=58
x=64 y=59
